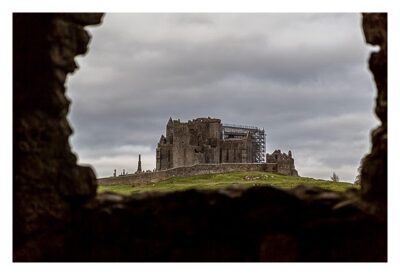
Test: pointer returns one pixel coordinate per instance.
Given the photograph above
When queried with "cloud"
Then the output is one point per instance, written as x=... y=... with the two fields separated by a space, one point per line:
x=302 y=77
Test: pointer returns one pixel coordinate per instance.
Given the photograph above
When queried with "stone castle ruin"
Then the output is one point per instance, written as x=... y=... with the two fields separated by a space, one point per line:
x=284 y=162
x=208 y=141
x=206 y=146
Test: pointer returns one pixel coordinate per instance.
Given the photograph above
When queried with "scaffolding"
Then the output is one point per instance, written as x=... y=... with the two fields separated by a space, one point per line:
x=232 y=131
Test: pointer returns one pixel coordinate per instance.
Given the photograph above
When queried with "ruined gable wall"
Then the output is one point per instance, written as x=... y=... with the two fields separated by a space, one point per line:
x=284 y=162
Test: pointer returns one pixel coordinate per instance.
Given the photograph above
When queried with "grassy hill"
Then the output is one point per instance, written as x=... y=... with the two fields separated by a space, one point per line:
x=214 y=181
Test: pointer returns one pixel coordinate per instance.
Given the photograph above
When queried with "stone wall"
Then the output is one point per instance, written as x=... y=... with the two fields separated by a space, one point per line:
x=47 y=182
x=58 y=217
x=198 y=169
x=374 y=168
x=284 y=162
x=237 y=150
x=189 y=143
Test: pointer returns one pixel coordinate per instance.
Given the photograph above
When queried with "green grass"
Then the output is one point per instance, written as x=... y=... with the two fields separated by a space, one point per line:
x=215 y=181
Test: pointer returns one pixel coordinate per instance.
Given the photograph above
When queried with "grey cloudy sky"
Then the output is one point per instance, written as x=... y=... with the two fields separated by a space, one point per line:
x=302 y=77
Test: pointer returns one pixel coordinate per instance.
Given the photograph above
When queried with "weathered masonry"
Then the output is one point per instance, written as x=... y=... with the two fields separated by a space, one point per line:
x=232 y=131
x=283 y=163
x=206 y=140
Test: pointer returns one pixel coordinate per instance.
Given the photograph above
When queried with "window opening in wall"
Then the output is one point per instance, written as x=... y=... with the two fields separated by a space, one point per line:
x=300 y=79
